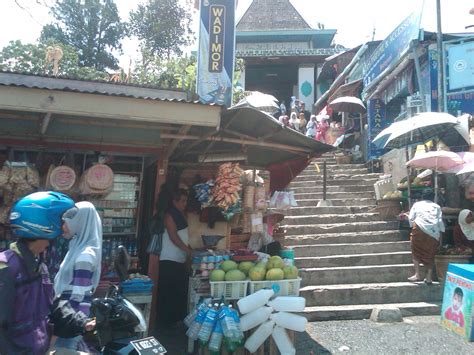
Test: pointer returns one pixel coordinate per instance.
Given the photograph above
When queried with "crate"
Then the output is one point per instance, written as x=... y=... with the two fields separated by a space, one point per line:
x=382 y=187
x=230 y=290
x=281 y=288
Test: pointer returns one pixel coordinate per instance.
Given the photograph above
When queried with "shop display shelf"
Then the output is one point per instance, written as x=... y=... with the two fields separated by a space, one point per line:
x=281 y=288
x=230 y=290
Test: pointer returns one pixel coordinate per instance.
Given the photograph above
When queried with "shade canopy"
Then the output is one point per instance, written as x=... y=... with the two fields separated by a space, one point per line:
x=348 y=104
x=263 y=102
x=420 y=128
x=441 y=161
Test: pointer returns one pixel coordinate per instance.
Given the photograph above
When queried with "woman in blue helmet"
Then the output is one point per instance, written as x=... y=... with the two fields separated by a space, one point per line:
x=25 y=288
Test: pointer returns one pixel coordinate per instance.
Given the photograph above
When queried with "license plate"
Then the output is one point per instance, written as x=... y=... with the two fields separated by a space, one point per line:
x=148 y=345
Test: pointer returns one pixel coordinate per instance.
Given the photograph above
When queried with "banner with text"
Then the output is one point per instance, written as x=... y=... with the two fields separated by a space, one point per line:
x=216 y=51
x=377 y=119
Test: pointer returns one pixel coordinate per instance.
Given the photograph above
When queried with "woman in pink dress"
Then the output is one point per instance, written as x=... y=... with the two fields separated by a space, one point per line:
x=321 y=128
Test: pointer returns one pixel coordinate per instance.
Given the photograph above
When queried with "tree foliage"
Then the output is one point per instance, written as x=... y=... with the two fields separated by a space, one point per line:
x=93 y=27
x=163 y=27
x=30 y=58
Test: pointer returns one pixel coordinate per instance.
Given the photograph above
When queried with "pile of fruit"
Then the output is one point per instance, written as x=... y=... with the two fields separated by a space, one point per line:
x=392 y=195
x=416 y=182
x=274 y=269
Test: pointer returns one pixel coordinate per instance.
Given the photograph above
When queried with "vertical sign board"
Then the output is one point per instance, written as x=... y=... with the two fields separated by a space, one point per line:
x=377 y=119
x=216 y=51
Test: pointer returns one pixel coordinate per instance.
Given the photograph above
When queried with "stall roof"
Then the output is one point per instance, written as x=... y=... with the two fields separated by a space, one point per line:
x=42 y=110
x=262 y=139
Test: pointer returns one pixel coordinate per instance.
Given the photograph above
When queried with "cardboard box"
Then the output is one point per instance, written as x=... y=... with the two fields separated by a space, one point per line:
x=458 y=297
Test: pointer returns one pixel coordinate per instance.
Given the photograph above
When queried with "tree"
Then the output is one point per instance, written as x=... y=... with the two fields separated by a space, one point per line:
x=92 y=26
x=30 y=58
x=163 y=27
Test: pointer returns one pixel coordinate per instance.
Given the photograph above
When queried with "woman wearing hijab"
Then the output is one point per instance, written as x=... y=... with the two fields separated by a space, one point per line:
x=426 y=221
x=463 y=233
x=79 y=273
x=311 y=127
x=294 y=122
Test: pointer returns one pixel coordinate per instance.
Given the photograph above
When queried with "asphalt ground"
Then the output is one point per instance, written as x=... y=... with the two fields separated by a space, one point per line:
x=415 y=335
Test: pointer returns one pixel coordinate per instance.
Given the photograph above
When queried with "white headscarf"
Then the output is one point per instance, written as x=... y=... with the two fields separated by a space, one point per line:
x=467 y=228
x=86 y=228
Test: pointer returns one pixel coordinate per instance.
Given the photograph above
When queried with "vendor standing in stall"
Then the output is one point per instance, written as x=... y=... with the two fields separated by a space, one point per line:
x=463 y=232
x=173 y=277
x=426 y=221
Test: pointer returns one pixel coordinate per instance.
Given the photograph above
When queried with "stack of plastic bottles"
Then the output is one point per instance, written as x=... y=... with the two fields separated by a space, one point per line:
x=215 y=325
x=272 y=318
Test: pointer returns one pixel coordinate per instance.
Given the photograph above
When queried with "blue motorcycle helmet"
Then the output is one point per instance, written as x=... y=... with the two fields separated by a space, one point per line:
x=38 y=215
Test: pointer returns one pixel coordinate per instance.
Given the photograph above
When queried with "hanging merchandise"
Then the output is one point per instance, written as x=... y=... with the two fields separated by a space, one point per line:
x=98 y=180
x=257 y=222
x=14 y=184
x=204 y=193
x=61 y=178
x=282 y=341
x=259 y=336
x=290 y=321
x=249 y=196
x=283 y=200
x=260 y=198
x=227 y=188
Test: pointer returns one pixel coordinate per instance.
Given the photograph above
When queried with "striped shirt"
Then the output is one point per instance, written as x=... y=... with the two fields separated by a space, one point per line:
x=80 y=290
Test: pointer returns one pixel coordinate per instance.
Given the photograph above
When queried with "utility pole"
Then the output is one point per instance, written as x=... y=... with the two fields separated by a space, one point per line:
x=439 y=38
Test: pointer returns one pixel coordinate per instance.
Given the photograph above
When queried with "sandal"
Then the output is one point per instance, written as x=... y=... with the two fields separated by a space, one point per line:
x=428 y=282
x=414 y=279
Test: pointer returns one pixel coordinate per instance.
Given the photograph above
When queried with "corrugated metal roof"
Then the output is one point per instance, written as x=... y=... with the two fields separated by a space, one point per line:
x=92 y=87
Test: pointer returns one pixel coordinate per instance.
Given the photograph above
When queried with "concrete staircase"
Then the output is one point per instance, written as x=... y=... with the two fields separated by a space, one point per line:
x=349 y=259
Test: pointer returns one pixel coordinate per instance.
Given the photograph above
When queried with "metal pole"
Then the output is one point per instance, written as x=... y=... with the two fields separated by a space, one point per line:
x=418 y=75
x=408 y=178
x=439 y=41
x=324 y=180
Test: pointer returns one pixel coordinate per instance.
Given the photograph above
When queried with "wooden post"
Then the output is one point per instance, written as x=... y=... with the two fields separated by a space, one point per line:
x=154 y=260
x=324 y=180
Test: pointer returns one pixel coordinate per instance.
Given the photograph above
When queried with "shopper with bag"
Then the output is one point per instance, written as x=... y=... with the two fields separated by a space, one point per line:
x=26 y=291
x=79 y=273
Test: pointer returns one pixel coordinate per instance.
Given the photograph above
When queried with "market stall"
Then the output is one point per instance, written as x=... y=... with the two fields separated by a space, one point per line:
x=240 y=253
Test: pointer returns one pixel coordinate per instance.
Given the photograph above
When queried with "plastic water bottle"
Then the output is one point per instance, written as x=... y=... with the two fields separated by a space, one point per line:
x=195 y=327
x=216 y=338
x=238 y=332
x=259 y=336
x=290 y=321
x=282 y=341
x=208 y=324
x=254 y=301
x=288 y=304
x=192 y=315
x=255 y=318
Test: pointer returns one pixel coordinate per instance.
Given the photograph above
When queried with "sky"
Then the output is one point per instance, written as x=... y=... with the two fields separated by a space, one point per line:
x=355 y=21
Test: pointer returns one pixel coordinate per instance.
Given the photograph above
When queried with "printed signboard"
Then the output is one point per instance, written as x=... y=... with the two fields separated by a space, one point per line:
x=460 y=66
x=393 y=47
x=377 y=119
x=216 y=51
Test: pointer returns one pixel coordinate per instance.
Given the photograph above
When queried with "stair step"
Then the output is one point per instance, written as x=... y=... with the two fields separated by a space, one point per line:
x=335 y=169
x=334 y=195
x=363 y=311
x=312 y=166
x=317 y=188
x=398 y=257
x=339 y=202
x=341 y=227
x=370 y=293
x=356 y=274
x=305 y=211
x=344 y=238
x=331 y=218
x=319 y=250
x=331 y=182
x=339 y=176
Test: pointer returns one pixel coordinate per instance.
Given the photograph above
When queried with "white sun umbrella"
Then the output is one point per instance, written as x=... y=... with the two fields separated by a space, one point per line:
x=260 y=101
x=421 y=128
x=381 y=139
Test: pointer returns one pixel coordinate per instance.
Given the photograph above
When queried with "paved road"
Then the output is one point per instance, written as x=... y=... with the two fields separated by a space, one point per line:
x=416 y=335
